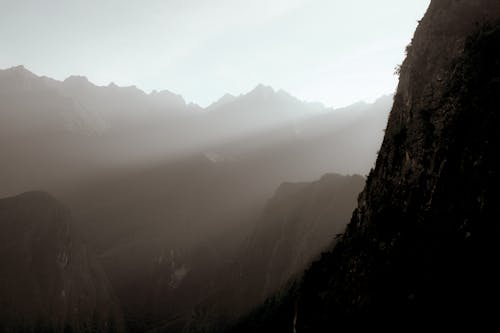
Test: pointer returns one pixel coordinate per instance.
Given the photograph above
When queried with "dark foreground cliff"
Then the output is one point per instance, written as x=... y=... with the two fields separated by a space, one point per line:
x=49 y=280
x=423 y=244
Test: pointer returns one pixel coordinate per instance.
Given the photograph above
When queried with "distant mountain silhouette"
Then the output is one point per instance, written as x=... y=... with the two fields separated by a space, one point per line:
x=50 y=281
x=81 y=128
x=263 y=108
x=115 y=107
x=226 y=99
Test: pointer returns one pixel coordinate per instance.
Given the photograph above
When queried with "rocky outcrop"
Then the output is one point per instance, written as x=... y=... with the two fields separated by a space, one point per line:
x=49 y=280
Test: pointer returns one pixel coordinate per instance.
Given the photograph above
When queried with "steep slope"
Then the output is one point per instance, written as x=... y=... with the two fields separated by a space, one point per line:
x=49 y=281
x=422 y=246
x=424 y=239
x=160 y=270
x=295 y=226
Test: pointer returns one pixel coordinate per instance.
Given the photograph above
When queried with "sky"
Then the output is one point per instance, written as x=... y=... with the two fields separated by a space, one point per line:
x=332 y=51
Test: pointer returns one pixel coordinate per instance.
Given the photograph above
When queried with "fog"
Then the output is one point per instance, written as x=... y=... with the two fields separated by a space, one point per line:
x=182 y=215
x=148 y=177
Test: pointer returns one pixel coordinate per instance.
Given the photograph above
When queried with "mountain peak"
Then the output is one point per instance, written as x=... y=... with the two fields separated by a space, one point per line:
x=262 y=89
x=226 y=99
x=20 y=70
x=168 y=97
x=19 y=78
x=77 y=80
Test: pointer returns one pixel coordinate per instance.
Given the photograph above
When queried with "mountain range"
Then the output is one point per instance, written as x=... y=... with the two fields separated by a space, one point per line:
x=168 y=194
x=73 y=130
x=167 y=217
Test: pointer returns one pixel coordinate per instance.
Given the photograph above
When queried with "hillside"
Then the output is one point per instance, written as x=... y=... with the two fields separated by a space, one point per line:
x=207 y=287
x=50 y=280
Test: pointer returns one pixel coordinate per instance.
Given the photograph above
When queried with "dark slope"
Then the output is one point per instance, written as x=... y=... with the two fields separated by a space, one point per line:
x=49 y=281
x=295 y=226
x=422 y=245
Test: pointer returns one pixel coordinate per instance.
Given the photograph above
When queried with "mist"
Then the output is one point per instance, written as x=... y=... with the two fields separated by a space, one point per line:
x=181 y=166
x=164 y=189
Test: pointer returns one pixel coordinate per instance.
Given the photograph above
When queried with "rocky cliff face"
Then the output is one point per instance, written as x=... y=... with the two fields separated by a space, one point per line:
x=423 y=243
x=422 y=246
x=49 y=281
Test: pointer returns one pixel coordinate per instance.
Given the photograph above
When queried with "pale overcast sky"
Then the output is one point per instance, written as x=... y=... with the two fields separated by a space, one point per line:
x=332 y=51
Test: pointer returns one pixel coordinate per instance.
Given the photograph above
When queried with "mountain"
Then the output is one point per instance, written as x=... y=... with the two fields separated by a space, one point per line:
x=298 y=222
x=212 y=198
x=31 y=104
x=105 y=175
x=77 y=105
x=55 y=132
x=422 y=246
x=199 y=213
x=226 y=99
x=296 y=225
x=216 y=282
x=73 y=129
x=261 y=109
x=165 y=193
x=50 y=280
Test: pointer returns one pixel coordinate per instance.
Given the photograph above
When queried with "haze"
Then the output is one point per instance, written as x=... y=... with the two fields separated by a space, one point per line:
x=335 y=52
x=299 y=188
